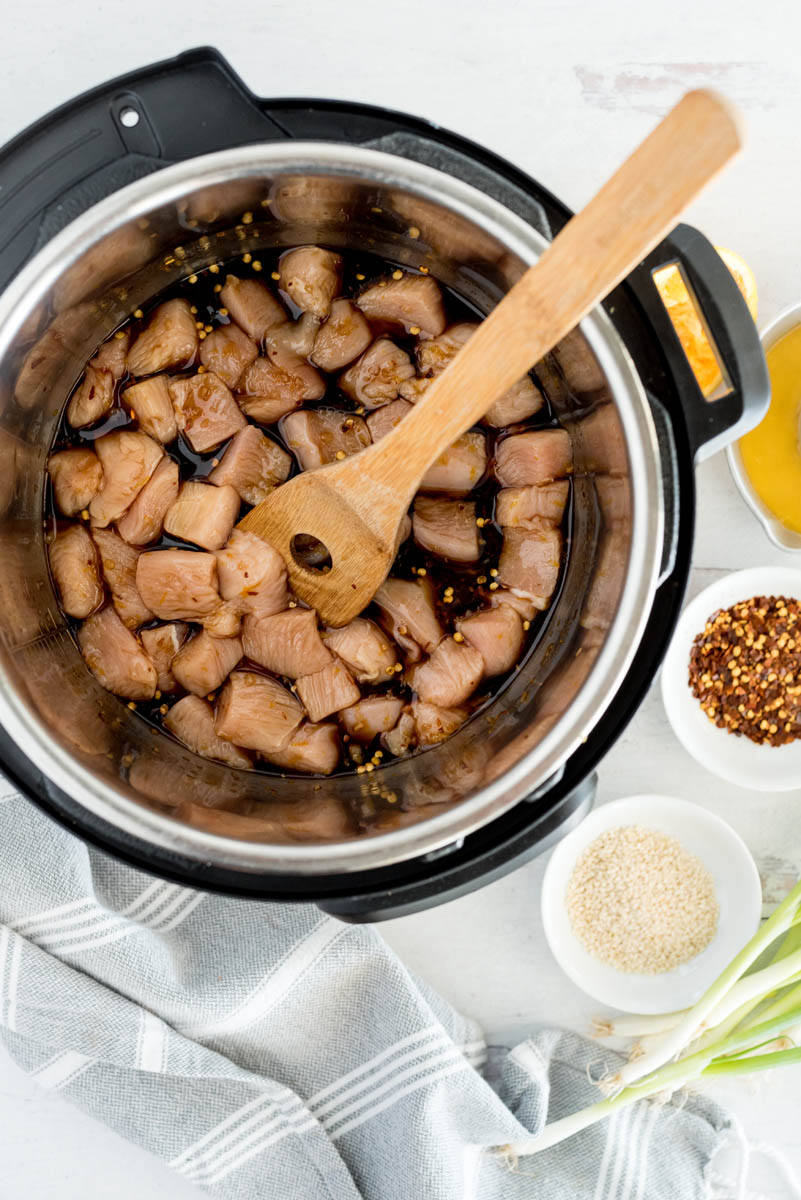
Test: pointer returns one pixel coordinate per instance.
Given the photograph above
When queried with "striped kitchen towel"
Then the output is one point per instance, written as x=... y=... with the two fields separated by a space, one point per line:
x=267 y=1051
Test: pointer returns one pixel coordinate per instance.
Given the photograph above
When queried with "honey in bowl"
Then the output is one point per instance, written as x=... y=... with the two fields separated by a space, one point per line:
x=771 y=453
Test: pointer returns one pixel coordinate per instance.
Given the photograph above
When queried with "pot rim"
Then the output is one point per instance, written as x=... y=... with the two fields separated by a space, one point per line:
x=534 y=769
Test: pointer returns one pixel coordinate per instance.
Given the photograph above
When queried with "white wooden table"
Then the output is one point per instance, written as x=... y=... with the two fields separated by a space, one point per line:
x=564 y=88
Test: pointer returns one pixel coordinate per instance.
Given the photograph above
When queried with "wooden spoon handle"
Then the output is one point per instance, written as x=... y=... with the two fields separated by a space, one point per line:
x=630 y=215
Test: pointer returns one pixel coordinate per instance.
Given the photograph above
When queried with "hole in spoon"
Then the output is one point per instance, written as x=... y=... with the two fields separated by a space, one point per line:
x=310 y=552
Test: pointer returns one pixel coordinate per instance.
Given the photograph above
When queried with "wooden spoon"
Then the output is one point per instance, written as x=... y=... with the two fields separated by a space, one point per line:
x=355 y=507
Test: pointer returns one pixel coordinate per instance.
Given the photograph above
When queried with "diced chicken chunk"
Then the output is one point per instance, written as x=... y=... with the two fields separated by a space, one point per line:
x=296 y=337
x=119 y=571
x=144 y=520
x=365 y=650
x=343 y=336
x=408 y=607
x=415 y=301
x=533 y=458
x=76 y=570
x=257 y=712
x=115 y=657
x=287 y=643
x=322 y=435
x=95 y=393
x=205 y=662
x=521 y=604
x=460 y=467
x=398 y=739
x=128 y=458
x=205 y=411
x=252 y=305
x=313 y=748
x=497 y=634
x=310 y=277
x=228 y=352
x=77 y=477
x=225 y=621
x=522 y=400
x=203 y=514
x=368 y=718
x=435 y=354
x=385 y=418
x=530 y=559
x=150 y=403
x=169 y=341
x=178 y=585
x=449 y=676
x=252 y=574
x=253 y=464
x=522 y=505
x=376 y=377
x=327 y=691
x=285 y=345
x=578 y=364
x=162 y=643
x=191 y=721
x=268 y=393
x=446 y=528
x=434 y=724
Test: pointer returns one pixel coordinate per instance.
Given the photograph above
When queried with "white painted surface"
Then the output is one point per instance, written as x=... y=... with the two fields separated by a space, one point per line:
x=563 y=88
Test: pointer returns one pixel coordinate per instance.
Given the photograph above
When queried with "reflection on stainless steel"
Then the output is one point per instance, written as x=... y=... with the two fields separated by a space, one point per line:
x=92 y=744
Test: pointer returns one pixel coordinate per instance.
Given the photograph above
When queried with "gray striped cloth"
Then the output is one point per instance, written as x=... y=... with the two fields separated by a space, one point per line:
x=267 y=1051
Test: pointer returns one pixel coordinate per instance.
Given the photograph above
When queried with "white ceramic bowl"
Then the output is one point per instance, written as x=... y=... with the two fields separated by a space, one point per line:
x=786 y=539
x=737 y=886
x=735 y=759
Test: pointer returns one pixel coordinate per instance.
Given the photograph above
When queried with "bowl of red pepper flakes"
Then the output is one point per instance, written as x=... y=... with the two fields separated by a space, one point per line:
x=731 y=681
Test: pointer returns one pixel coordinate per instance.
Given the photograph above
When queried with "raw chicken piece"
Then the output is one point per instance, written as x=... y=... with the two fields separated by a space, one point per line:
x=252 y=574
x=532 y=458
x=327 y=691
x=205 y=411
x=286 y=643
x=460 y=467
x=205 y=662
x=170 y=340
x=310 y=277
x=257 y=712
x=404 y=529
x=385 y=418
x=322 y=435
x=76 y=570
x=119 y=571
x=115 y=657
x=614 y=497
x=434 y=723
x=408 y=607
x=435 y=354
x=413 y=301
x=253 y=464
x=400 y=738
x=144 y=520
x=267 y=393
x=368 y=718
x=521 y=604
x=578 y=363
x=203 y=514
x=225 y=621
x=288 y=347
x=77 y=477
x=228 y=352
x=522 y=400
x=446 y=528
x=529 y=561
x=191 y=720
x=313 y=749
x=342 y=337
x=375 y=378
x=95 y=394
x=497 y=634
x=151 y=405
x=128 y=458
x=365 y=650
x=449 y=676
x=521 y=505
x=162 y=643
x=178 y=585
x=252 y=305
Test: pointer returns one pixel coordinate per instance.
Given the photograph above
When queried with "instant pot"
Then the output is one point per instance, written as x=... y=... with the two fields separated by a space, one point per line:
x=156 y=175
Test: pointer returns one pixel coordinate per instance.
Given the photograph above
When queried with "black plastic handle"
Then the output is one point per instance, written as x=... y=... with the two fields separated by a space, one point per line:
x=711 y=423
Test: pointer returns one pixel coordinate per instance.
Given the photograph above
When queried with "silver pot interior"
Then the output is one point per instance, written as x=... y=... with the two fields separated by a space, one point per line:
x=117 y=257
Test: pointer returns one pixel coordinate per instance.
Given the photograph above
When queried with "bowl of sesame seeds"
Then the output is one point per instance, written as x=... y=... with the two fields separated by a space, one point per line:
x=731 y=680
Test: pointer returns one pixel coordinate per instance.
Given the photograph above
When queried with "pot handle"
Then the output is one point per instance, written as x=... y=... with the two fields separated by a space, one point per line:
x=711 y=423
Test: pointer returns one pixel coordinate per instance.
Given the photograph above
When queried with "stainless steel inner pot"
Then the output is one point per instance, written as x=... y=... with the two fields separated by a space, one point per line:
x=125 y=250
